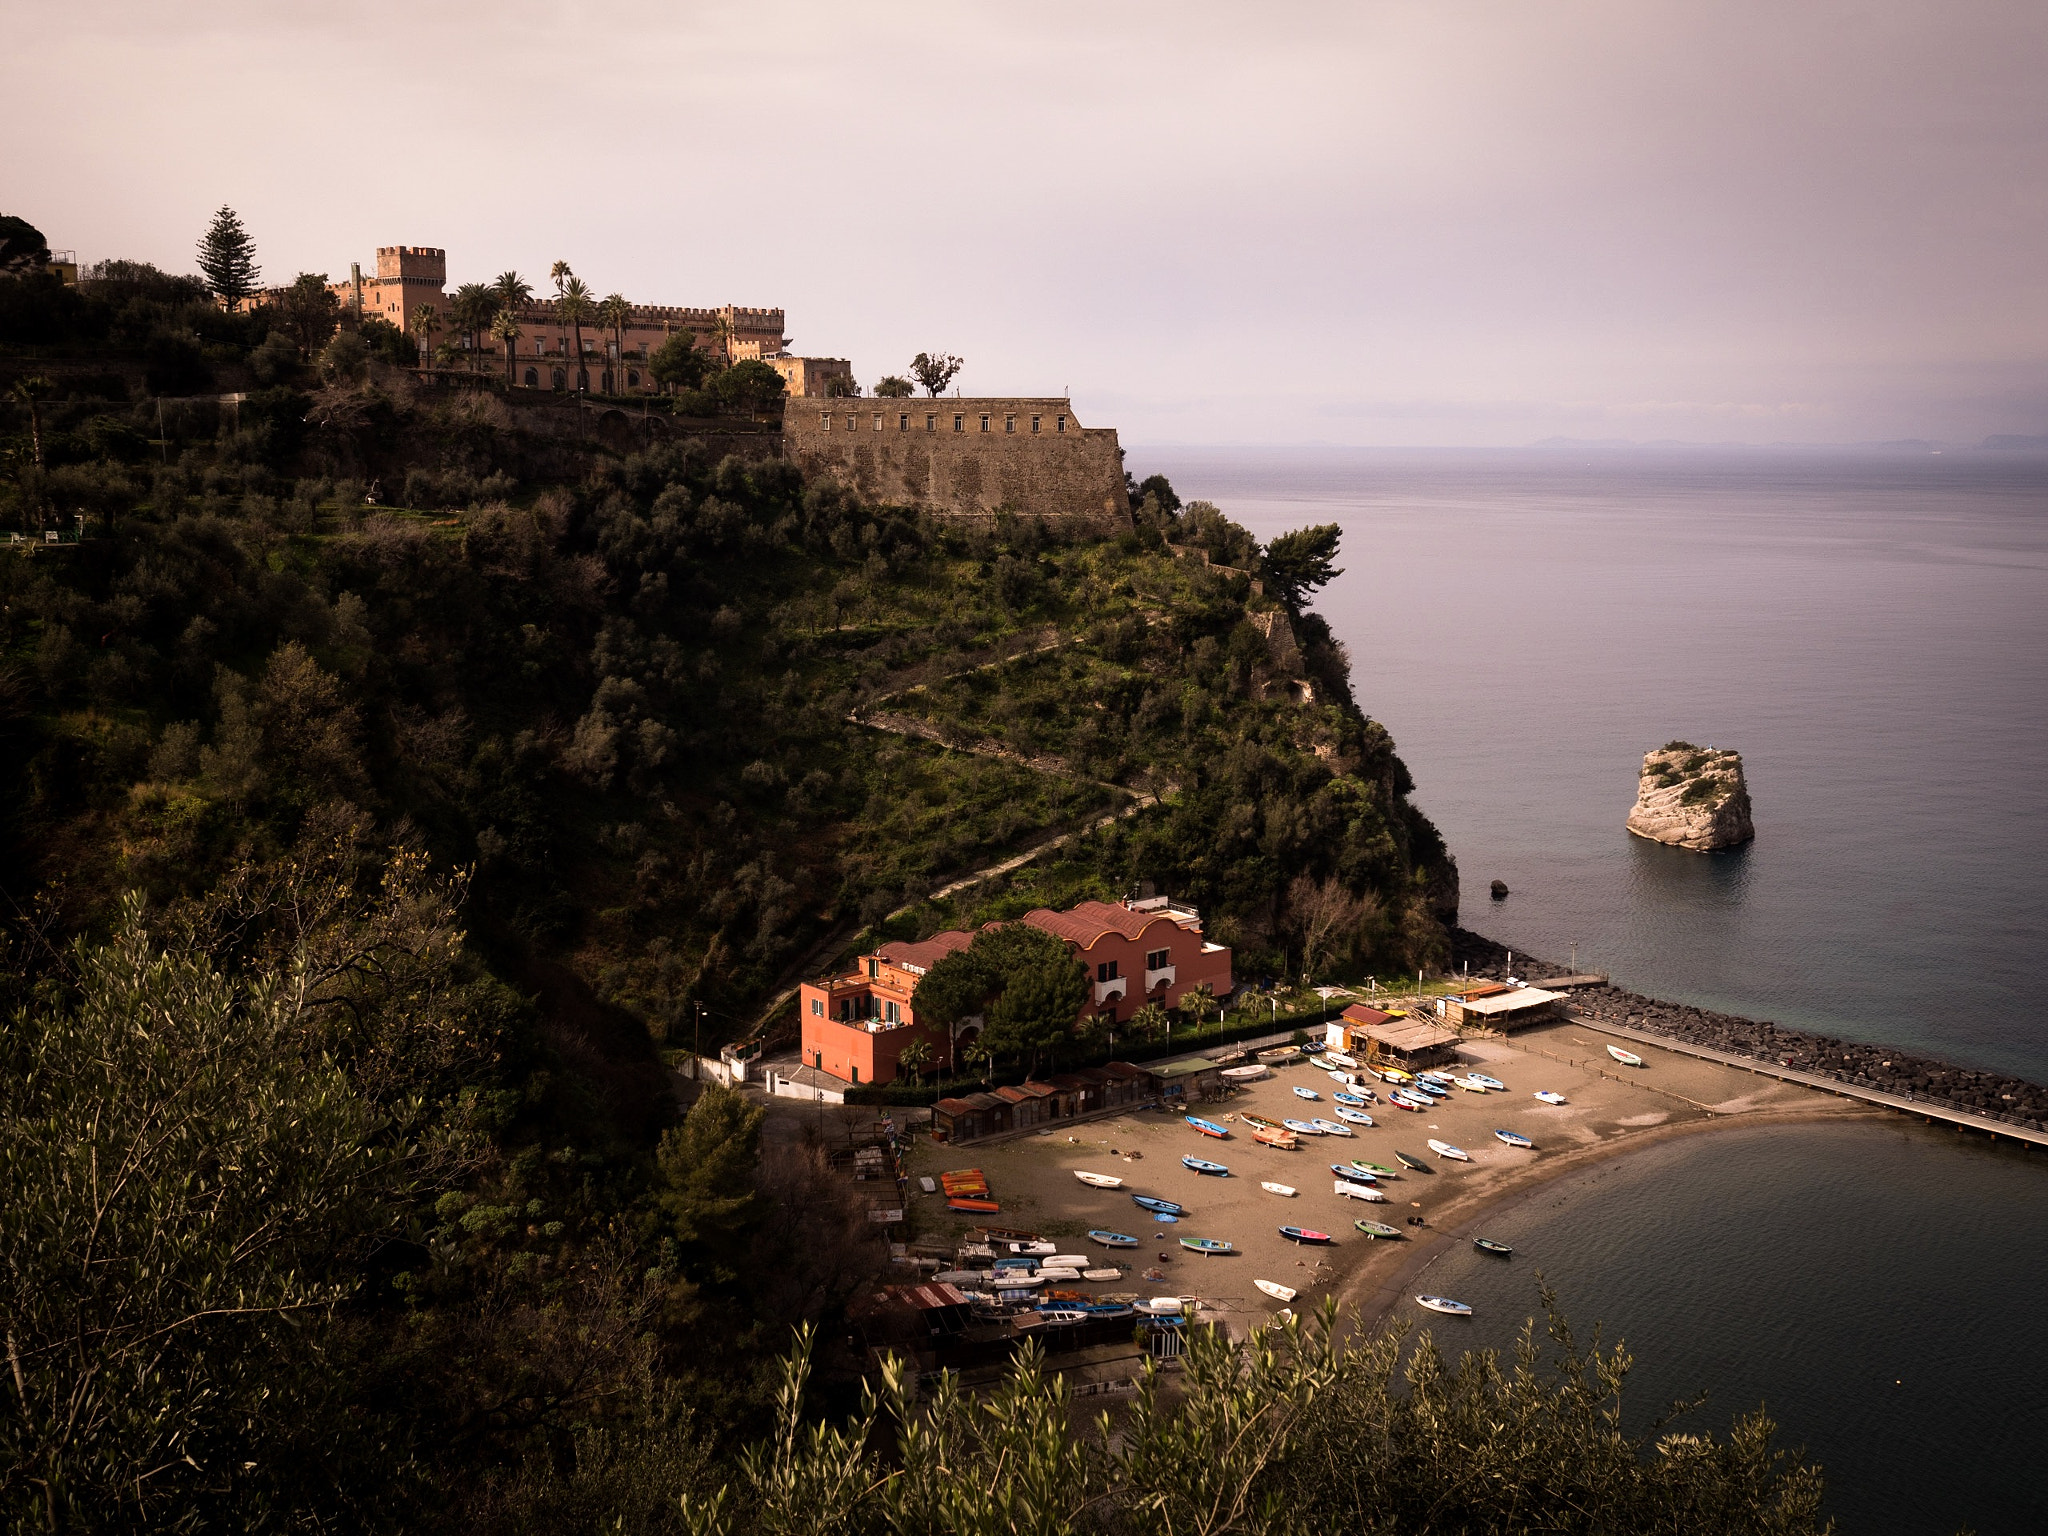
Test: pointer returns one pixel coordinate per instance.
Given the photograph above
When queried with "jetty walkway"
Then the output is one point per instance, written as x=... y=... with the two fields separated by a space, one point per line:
x=1991 y=1125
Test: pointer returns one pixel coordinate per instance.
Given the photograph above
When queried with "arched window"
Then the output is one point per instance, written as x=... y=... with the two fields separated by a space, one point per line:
x=559 y=379
x=632 y=378
x=532 y=378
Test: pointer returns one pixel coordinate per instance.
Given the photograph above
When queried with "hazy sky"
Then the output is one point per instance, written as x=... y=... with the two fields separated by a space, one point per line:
x=1385 y=221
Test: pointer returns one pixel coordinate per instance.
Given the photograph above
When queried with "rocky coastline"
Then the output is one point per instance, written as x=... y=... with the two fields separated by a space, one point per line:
x=1850 y=1061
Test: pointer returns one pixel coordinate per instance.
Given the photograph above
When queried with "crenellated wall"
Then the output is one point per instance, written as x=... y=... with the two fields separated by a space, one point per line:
x=1029 y=456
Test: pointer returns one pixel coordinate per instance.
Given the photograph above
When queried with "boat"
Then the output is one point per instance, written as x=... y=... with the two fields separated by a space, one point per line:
x=963 y=1277
x=1549 y=1097
x=1391 y=1075
x=1331 y=1127
x=1276 y=1290
x=1281 y=1055
x=1009 y=1235
x=1275 y=1136
x=1113 y=1239
x=1340 y=1075
x=1160 y=1306
x=1488 y=1245
x=1099 y=1180
x=1069 y=1261
x=1400 y=1099
x=1626 y=1058
x=1245 y=1074
x=1304 y=1235
x=926 y=1184
x=1203 y=1165
x=1059 y=1315
x=1163 y=1207
x=1302 y=1127
x=1102 y=1274
x=1356 y=1101
x=1342 y=1060
x=1015 y=1281
x=1059 y=1272
x=1445 y=1149
x=1355 y=1116
x=1305 y=1093
x=1353 y=1191
x=1486 y=1082
x=1257 y=1121
x=1516 y=1139
x=1441 y=1079
x=1377 y=1229
x=1323 y=1062
x=1208 y=1247
x=1278 y=1189
x=1207 y=1127
x=1409 y=1160
x=1444 y=1304
x=1016 y=1266
x=1234 y=1058
x=1377 y=1170
x=1468 y=1086
x=979 y=1207
x=1429 y=1091
x=1347 y=1171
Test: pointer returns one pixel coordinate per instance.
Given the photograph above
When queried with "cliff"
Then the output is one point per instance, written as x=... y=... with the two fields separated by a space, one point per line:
x=1692 y=797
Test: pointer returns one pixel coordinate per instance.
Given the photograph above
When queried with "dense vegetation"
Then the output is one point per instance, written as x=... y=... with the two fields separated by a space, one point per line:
x=361 y=859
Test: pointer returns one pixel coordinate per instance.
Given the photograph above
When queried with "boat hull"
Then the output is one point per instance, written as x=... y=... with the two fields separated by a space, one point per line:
x=1276 y=1290
x=1099 y=1180
x=1113 y=1239
x=1445 y=1305
x=1304 y=1235
x=1280 y=1189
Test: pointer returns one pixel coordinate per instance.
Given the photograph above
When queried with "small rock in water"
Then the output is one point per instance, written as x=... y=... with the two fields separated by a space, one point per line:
x=1500 y=890
x=1692 y=797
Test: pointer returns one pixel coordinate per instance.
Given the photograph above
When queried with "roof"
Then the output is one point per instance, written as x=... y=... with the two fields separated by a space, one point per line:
x=1511 y=1002
x=1360 y=1013
x=1484 y=989
x=1187 y=1068
x=1010 y=1095
x=925 y=953
x=927 y=1298
x=973 y=1103
x=1125 y=1070
x=1088 y=921
x=1411 y=1035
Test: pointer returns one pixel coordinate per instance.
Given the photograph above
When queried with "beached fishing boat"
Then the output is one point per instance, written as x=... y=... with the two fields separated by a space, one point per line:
x=1208 y=1247
x=1355 y=1116
x=1352 y=1190
x=1626 y=1058
x=1019 y=1266
x=1304 y=1235
x=1488 y=1245
x=1281 y=1055
x=1331 y=1127
x=1207 y=1127
x=1276 y=1290
x=1341 y=1075
x=1017 y=1280
x=1102 y=1274
x=1400 y=1098
x=1059 y=1272
x=1486 y=1082
x=1007 y=1235
x=1468 y=1086
x=1377 y=1170
x=1445 y=1149
x=1391 y=1075
x=1441 y=1079
x=1245 y=1074
x=1068 y=1261
x=1434 y=1092
x=1276 y=1136
x=1062 y=1315
x=1099 y=1180
x=1356 y=1101
x=1444 y=1304
x=1342 y=1060
x=1256 y=1121
x=1160 y=1306
x=1378 y=1229
x=1410 y=1160
x=1515 y=1139
x=1321 y=1061
x=1305 y=1093
x=1203 y=1165
x=1279 y=1189
x=1112 y=1239
x=1164 y=1207
x=1302 y=1127
x=1549 y=1097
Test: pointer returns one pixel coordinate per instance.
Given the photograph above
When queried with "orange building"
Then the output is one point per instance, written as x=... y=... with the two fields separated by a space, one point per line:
x=856 y=1026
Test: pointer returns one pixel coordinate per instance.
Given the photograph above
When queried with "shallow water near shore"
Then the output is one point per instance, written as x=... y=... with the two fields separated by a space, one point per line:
x=1876 y=1286
x=1870 y=630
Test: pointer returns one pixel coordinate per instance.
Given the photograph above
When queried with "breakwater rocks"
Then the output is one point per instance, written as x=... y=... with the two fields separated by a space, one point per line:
x=1849 y=1061
x=1692 y=797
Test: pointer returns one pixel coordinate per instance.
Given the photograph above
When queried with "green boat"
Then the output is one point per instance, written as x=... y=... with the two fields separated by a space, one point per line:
x=1488 y=1245
x=1378 y=1229
x=1377 y=1170
x=1209 y=1246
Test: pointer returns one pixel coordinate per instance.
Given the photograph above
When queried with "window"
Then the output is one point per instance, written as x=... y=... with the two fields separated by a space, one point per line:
x=855 y=1071
x=852 y=422
x=824 y=421
x=817 y=1007
x=931 y=422
x=1157 y=959
x=984 y=423
x=532 y=378
x=633 y=378
x=874 y=968
x=893 y=1013
x=903 y=422
x=878 y=421
x=1059 y=423
x=1009 y=423
x=559 y=378
x=959 y=423
x=1106 y=971
x=605 y=382
x=1034 y=423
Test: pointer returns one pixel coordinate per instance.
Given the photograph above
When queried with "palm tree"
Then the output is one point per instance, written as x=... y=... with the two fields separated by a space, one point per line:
x=471 y=310
x=425 y=321
x=505 y=327
x=512 y=290
x=572 y=309
x=615 y=312
x=721 y=335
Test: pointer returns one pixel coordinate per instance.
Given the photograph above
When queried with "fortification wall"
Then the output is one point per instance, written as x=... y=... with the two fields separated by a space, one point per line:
x=1028 y=456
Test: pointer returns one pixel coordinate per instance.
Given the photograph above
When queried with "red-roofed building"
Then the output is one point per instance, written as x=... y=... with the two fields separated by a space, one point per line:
x=857 y=1026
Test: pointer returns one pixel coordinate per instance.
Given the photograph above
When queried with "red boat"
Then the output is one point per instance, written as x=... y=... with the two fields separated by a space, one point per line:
x=1304 y=1235
x=961 y=1203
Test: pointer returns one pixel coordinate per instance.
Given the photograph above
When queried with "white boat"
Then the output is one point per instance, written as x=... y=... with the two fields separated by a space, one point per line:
x=1469 y=1086
x=1059 y=1272
x=1626 y=1058
x=1305 y=1093
x=1030 y=1248
x=1063 y=1314
x=1486 y=1082
x=1279 y=1189
x=1102 y=1274
x=1160 y=1306
x=1281 y=1055
x=1099 y=1180
x=925 y=1183
x=963 y=1277
x=1014 y=1281
x=1068 y=1261
x=1515 y=1139
x=1445 y=1149
x=1321 y=1061
x=1302 y=1127
x=1250 y=1074
x=1331 y=1127
x=1276 y=1290
x=1341 y=1059
x=1365 y=1192
x=1548 y=1097
x=1444 y=1304
x=1355 y=1116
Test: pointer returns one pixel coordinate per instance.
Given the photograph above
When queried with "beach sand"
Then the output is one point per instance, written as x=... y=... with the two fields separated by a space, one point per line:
x=1613 y=1110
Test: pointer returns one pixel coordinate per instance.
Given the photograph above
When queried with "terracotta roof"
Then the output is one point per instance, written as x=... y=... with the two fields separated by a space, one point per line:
x=1010 y=1095
x=930 y=1297
x=1124 y=1070
x=955 y=1107
x=925 y=953
x=1360 y=1013
x=1090 y=920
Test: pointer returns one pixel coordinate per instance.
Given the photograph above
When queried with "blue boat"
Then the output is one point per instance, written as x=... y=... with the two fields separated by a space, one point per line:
x=1208 y=1127
x=1515 y=1139
x=1331 y=1127
x=1301 y=1127
x=1355 y=1116
x=1113 y=1239
x=1306 y=1093
x=1163 y=1207
x=1487 y=1082
x=1356 y=1175
x=1208 y=1247
x=1429 y=1090
x=1203 y=1165
x=1349 y=1098
x=1304 y=1235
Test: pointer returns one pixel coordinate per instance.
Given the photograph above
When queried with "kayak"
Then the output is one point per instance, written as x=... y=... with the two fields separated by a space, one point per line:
x=1516 y=1139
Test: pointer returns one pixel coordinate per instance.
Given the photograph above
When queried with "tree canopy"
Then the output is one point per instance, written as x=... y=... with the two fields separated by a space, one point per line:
x=1297 y=564
x=227 y=255
x=935 y=370
x=22 y=246
x=893 y=388
x=679 y=363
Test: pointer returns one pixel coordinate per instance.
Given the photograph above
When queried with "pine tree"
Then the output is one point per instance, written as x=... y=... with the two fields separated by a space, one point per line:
x=228 y=258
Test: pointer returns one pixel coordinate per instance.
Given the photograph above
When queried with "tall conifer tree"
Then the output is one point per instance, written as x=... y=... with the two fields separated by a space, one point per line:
x=228 y=258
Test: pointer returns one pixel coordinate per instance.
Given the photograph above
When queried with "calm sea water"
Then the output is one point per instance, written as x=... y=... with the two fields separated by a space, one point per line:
x=1869 y=631
x=1876 y=1288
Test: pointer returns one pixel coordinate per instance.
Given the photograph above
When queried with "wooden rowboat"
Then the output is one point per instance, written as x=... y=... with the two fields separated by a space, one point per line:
x=1276 y=1290
x=1112 y=1239
x=1515 y=1139
x=1445 y=1149
x=1208 y=1247
x=1099 y=1180
x=1378 y=1229
x=1279 y=1189
x=1626 y=1058
x=1276 y=1136
x=1304 y=1235
x=1203 y=1165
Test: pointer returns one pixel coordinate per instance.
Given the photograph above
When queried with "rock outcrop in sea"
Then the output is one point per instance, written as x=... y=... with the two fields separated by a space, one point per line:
x=1692 y=797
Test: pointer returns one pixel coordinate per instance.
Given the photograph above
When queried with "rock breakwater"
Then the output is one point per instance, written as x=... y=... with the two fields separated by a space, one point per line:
x=1692 y=797
x=1849 y=1061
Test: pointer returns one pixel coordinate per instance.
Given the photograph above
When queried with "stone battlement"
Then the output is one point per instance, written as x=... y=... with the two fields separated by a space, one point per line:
x=414 y=261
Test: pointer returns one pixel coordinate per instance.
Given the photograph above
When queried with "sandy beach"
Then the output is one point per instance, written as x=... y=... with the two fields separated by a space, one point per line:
x=1612 y=1110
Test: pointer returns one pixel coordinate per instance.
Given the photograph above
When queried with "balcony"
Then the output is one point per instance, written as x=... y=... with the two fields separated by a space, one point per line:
x=1105 y=990
x=1163 y=977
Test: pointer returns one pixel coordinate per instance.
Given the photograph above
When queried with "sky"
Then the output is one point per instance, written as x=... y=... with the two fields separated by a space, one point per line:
x=1380 y=222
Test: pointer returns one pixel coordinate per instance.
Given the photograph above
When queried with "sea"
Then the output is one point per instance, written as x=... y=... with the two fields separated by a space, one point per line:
x=1869 y=628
